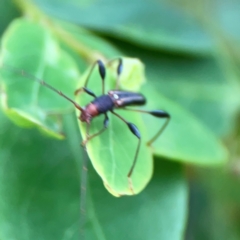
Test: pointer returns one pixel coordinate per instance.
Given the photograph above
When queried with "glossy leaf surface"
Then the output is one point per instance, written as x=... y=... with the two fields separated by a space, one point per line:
x=24 y=100
x=185 y=138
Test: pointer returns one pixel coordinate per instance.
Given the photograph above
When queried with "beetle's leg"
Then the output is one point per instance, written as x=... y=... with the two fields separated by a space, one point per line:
x=119 y=70
x=155 y=113
x=136 y=132
x=83 y=89
x=105 y=125
x=102 y=72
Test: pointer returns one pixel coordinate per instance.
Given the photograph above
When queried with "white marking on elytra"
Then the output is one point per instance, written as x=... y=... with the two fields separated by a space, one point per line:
x=115 y=96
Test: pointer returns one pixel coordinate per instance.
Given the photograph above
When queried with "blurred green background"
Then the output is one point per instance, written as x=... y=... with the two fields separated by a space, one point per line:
x=191 y=53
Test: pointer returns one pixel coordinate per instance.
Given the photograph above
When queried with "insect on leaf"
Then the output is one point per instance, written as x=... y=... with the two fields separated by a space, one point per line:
x=112 y=153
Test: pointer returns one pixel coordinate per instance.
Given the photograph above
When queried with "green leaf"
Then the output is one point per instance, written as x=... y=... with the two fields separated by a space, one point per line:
x=185 y=138
x=151 y=24
x=199 y=85
x=30 y=47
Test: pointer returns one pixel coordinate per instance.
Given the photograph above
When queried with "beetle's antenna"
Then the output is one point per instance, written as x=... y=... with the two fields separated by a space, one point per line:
x=40 y=81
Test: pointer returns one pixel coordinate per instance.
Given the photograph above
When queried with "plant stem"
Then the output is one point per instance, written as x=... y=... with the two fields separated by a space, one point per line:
x=31 y=11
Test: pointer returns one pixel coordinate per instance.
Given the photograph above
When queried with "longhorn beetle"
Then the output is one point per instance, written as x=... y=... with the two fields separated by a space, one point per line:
x=103 y=104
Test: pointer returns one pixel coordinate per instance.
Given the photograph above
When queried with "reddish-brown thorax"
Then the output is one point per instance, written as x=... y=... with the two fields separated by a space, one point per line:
x=88 y=113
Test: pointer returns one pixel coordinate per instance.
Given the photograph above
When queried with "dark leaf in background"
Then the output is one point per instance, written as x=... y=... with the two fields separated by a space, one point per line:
x=8 y=12
x=150 y=24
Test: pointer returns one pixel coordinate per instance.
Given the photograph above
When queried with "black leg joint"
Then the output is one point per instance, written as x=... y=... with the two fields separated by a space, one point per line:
x=101 y=69
x=160 y=114
x=89 y=92
x=106 y=121
x=133 y=128
x=120 y=67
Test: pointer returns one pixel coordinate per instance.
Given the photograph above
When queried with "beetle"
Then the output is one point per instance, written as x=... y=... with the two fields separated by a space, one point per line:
x=114 y=99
